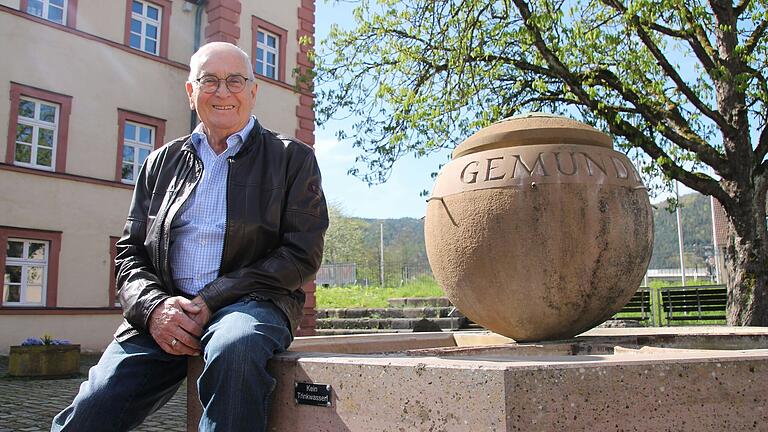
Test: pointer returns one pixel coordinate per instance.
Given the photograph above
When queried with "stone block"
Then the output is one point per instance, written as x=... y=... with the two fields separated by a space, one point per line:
x=44 y=361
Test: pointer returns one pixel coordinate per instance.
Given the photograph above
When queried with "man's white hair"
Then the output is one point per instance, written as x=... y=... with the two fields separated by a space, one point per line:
x=206 y=50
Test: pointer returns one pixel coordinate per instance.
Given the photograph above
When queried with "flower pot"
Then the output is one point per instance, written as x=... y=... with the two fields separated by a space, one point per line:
x=48 y=361
x=537 y=229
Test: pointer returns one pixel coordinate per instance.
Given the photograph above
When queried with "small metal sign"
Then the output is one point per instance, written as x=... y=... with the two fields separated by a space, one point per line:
x=312 y=394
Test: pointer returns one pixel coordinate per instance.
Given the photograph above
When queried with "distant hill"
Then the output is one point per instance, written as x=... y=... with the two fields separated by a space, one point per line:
x=403 y=239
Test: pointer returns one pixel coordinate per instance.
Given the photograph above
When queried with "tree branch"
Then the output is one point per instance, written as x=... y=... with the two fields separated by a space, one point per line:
x=697 y=39
x=697 y=181
x=741 y=7
x=755 y=37
x=677 y=79
x=654 y=116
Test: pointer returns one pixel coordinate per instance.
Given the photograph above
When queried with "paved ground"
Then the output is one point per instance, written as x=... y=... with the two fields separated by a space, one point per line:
x=29 y=405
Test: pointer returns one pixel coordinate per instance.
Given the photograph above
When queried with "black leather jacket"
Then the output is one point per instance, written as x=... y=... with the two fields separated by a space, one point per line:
x=273 y=244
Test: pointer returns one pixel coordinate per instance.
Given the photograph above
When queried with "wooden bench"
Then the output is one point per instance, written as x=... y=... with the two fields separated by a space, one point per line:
x=691 y=303
x=638 y=308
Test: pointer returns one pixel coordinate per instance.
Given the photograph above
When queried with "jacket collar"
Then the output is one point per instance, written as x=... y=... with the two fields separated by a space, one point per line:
x=251 y=140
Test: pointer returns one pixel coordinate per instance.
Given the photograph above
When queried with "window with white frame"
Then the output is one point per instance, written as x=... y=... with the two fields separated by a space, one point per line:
x=267 y=54
x=145 y=26
x=26 y=270
x=52 y=10
x=138 y=142
x=36 y=133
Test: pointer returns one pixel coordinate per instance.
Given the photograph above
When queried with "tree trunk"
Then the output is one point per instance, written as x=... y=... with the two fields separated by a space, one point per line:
x=747 y=262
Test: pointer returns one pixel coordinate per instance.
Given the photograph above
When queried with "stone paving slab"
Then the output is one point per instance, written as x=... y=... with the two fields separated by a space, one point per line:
x=31 y=404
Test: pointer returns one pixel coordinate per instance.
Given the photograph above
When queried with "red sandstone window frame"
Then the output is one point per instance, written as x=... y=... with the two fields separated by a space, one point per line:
x=71 y=12
x=65 y=109
x=54 y=249
x=257 y=24
x=134 y=117
x=165 y=25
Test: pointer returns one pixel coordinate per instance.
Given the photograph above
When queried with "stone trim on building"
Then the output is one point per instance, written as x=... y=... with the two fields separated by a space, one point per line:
x=305 y=110
x=65 y=176
x=223 y=21
x=305 y=113
x=65 y=109
x=54 y=250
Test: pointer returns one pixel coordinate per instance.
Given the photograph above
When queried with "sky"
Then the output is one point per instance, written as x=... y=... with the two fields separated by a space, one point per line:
x=399 y=196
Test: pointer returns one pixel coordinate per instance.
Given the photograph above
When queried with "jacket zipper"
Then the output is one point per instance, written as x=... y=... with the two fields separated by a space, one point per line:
x=230 y=162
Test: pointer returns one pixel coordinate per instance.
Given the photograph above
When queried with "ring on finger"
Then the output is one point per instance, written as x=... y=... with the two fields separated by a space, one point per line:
x=173 y=342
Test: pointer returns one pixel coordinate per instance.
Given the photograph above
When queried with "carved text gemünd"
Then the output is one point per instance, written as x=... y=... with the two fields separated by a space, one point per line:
x=520 y=166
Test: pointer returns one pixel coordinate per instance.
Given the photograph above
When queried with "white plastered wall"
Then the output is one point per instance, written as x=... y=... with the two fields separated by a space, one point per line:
x=91 y=332
x=11 y=3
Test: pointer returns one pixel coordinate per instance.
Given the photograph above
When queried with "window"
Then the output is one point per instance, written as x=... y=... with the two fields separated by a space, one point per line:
x=145 y=27
x=58 y=11
x=138 y=142
x=139 y=134
x=29 y=259
x=39 y=121
x=52 y=10
x=26 y=265
x=36 y=133
x=267 y=54
x=269 y=49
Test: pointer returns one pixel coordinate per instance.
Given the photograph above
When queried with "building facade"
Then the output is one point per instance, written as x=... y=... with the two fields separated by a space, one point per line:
x=93 y=86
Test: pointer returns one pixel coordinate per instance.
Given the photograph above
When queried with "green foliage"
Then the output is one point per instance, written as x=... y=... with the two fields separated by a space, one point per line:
x=422 y=75
x=47 y=339
x=357 y=296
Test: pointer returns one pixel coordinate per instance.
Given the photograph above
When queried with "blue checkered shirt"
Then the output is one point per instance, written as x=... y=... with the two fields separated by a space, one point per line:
x=197 y=231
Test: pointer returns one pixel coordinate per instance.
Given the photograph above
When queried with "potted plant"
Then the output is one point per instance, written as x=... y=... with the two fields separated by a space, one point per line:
x=44 y=357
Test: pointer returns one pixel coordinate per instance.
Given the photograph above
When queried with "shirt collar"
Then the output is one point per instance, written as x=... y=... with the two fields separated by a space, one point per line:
x=233 y=141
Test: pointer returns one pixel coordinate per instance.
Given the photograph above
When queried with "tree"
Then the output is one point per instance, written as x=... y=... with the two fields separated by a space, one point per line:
x=680 y=84
x=345 y=238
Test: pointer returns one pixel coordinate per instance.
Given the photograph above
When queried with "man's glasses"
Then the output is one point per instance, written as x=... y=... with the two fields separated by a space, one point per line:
x=210 y=83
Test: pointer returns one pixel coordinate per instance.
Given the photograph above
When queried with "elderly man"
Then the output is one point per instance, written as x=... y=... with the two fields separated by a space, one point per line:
x=224 y=228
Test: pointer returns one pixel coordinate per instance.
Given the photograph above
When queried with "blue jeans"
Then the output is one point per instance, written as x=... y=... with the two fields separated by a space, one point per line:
x=136 y=377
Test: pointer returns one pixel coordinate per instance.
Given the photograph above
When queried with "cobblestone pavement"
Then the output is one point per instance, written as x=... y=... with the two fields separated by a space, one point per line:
x=29 y=405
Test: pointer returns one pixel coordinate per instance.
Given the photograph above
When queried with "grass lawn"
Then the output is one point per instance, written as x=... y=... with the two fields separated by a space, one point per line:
x=356 y=296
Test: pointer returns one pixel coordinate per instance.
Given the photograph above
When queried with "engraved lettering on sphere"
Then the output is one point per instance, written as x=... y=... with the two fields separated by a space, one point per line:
x=621 y=170
x=491 y=167
x=472 y=173
x=537 y=164
x=593 y=163
x=574 y=167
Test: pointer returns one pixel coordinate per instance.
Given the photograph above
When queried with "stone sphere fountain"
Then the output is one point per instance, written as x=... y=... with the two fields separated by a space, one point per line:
x=537 y=229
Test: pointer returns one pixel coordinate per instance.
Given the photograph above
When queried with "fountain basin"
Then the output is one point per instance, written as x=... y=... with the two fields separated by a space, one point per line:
x=702 y=378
